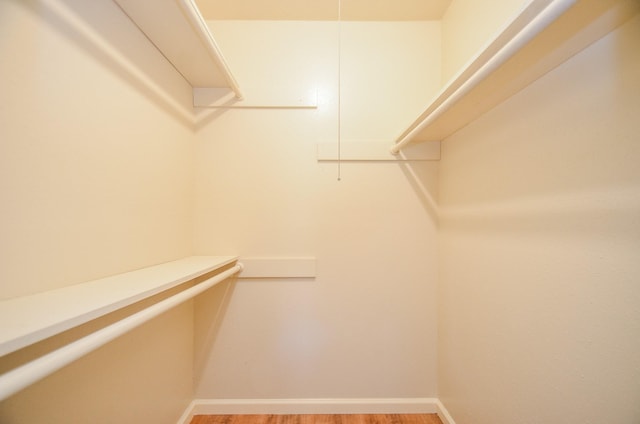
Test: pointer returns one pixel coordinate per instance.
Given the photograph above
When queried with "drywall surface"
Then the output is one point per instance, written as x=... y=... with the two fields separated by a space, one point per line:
x=365 y=326
x=95 y=180
x=468 y=25
x=539 y=299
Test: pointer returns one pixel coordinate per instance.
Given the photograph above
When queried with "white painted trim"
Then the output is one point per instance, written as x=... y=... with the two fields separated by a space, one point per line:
x=317 y=406
x=188 y=414
x=311 y=406
x=443 y=414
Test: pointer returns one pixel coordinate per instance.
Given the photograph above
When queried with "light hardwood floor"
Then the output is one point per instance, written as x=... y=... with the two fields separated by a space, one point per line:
x=319 y=419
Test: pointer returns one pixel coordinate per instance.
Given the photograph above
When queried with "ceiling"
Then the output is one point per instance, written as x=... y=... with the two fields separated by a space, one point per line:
x=322 y=10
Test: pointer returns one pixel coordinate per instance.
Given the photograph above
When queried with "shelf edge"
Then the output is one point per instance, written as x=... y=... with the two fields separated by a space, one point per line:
x=532 y=20
x=23 y=310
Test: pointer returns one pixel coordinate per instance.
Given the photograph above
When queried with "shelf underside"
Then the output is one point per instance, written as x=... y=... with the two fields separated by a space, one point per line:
x=178 y=30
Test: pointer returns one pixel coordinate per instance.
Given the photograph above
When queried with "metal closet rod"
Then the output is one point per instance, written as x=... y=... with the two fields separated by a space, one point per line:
x=461 y=86
x=27 y=374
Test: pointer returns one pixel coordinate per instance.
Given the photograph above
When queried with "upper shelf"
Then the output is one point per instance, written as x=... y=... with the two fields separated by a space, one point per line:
x=29 y=319
x=178 y=30
x=541 y=37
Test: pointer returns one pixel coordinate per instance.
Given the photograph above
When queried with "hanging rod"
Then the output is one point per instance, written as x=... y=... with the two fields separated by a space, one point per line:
x=533 y=20
x=29 y=373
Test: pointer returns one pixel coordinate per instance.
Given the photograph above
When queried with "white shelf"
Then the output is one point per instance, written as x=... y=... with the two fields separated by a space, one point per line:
x=375 y=151
x=178 y=30
x=541 y=37
x=29 y=319
x=284 y=267
x=222 y=98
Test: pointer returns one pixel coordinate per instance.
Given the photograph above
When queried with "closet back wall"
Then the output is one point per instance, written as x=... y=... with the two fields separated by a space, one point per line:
x=95 y=180
x=365 y=327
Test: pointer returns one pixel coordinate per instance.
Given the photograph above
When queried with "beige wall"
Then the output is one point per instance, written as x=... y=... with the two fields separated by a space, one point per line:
x=537 y=301
x=468 y=25
x=538 y=298
x=365 y=327
x=95 y=179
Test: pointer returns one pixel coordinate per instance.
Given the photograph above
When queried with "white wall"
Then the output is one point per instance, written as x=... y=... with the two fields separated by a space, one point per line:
x=539 y=294
x=95 y=179
x=365 y=327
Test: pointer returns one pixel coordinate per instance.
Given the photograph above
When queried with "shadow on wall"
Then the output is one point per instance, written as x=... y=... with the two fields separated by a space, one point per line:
x=580 y=215
x=205 y=116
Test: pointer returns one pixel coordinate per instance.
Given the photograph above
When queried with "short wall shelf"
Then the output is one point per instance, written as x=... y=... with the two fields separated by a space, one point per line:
x=545 y=34
x=221 y=98
x=278 y=267
x=29 y=319
x=375 y=151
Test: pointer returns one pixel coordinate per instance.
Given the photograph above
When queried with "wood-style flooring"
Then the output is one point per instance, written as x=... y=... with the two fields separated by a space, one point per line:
x=319 y=419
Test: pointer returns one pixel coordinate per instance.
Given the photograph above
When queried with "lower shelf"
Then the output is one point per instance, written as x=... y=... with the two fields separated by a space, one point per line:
x=30 y=319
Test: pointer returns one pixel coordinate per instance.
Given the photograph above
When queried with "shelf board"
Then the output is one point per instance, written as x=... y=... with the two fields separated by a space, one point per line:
x=545 y=34
x=222 y=98
x=282 y=267
x=29 y=319
x=178 y=30
x=375 y=151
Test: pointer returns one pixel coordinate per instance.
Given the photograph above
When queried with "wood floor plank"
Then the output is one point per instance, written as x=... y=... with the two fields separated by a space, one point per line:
x=318 y=419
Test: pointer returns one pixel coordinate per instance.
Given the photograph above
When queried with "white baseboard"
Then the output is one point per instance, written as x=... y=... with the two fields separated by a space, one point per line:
x=188 y=414
x=312 y=406
x=443 y=414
